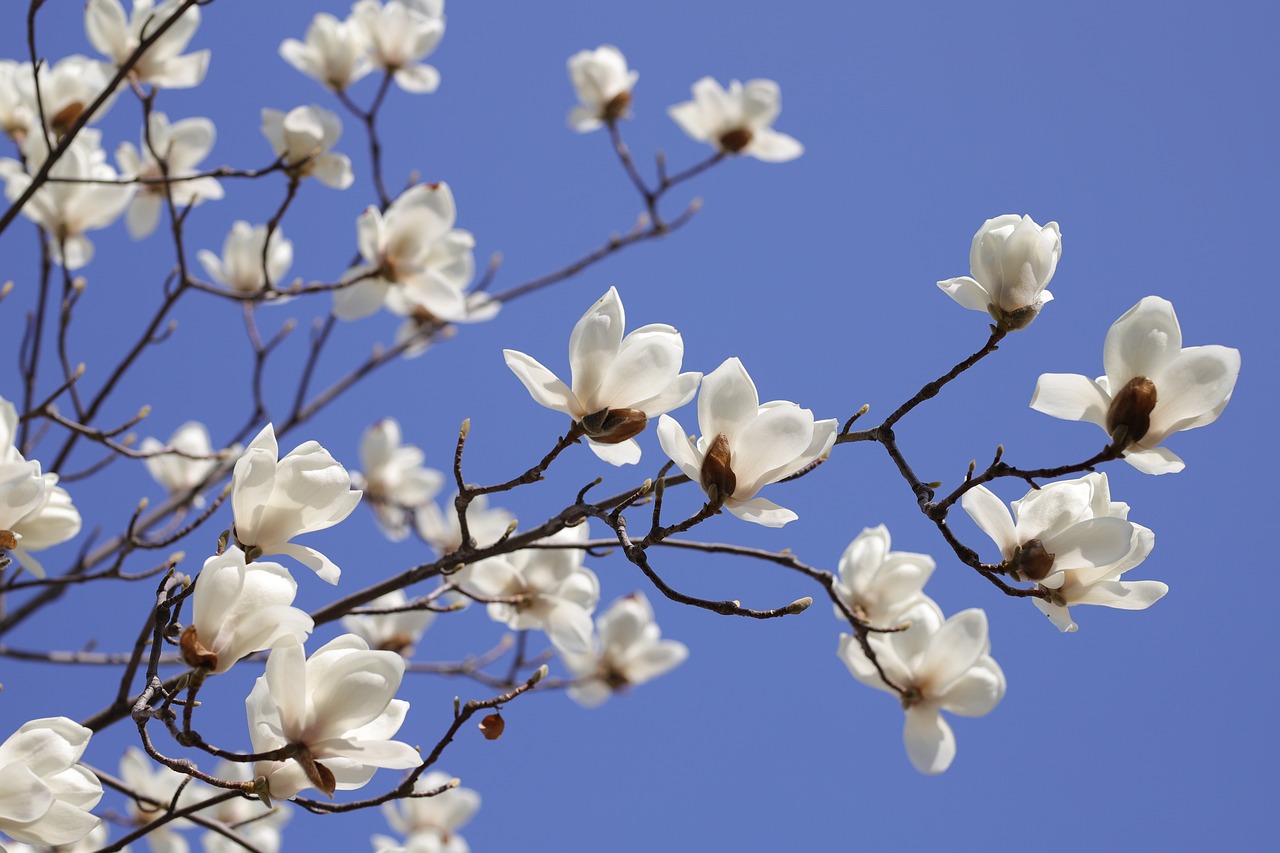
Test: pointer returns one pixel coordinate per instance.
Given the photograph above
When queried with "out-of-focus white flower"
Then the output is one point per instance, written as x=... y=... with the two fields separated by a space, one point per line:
x=617 y=383
x=628 y=651
x=549 y=590
x=400 y=35
x=393 y=632
x=942 y=666
x=117 y=37
x=240 y=267
x=440 y=529
x=180 y=474
x=603 y=85
x=68 y=210
x=737 y=121
x=1153 y=388
x=159 y=783
x=67 y=88
x=334 y=52
x=414 y=259
x=745 y=445
x=277 y=499
x=337 y=708
x=394 y=481
x=239 y=609
x=1011 y=261
x=45 y=795
x=253 y=820
x=877 y=584
x=304 y=137
x=431 y=824
x=182 y=145
x=17 y=116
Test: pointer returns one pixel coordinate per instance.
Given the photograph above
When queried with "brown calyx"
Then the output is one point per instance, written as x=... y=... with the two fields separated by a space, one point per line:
x=613 y=426
x=735 y=140
x=1129 y=417
x=718 y=479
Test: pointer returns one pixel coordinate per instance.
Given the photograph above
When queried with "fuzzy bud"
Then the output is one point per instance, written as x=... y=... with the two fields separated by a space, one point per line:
x=1131 y=411
x=716 y=471
x=614 y=426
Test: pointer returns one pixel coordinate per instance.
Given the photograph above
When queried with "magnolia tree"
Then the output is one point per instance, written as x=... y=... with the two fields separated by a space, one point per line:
x=217 y=562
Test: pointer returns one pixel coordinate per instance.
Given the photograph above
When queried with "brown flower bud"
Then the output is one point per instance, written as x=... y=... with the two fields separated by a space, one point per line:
x=320 y=777
x=617 y=107
x=1031 y=561
x=194 y=653
x=8 y=540
x=613 y=426
x=492 y=726
x=735 y=140
x=716 y=473
x=1131 y=411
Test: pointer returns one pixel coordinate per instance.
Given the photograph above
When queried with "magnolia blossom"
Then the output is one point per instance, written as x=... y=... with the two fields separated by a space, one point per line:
x=394 y=632
x=878 y=584
x=157 y=785
x=117 y=37
x=629 y=651
x=399 y=35
x=35 y=512
x=334 y=52
x=45 y=795
x=394 y=481
x=253 y=820
x=1011 y=259
x=939 y=666
x=178 y=473
x=745 y=445
x=440 y=528
x=240 y=267
x=302 y=138
x=67 y=88
x=91 y=843
x=545 y=589
x=431 y=824
x=1153 y=386
x=617 y=383
x=17 y=116
x=737 y=121
x=239 y=609
x=181 y=145
x=1072 y=540
x=603 y=85
x=277 y=499
x=337 y=709
x=414 y=259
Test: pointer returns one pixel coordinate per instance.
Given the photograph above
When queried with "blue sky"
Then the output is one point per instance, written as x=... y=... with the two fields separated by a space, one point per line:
x=1147 y=131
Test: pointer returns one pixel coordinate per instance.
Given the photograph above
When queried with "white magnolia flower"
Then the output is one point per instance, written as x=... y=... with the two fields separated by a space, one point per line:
x=629 y=651
x=35 y=511
x=182 y=145
x=1153 y=387
x=393 y=632
x=277 y=499
x=303 y=137
x=67 y=88
x=941 y=666
x=117 y=37
x=180 y=474
x=239 y=609
x=549 y=588
x=603 y=85
x=617 y=383
x=878 y=584
x=399 y=35
x=745 y=445
x=440 y=529
x=334 y=52
x=45 y=795
x=414 y=259
x=159 y=784
x=253 y=820
x=1011 y=259
x=394 y=481
x=240 y=267
x=737 y=121
x=430 y=824
x=91 y=843
x=17 y=115
x=337 y=708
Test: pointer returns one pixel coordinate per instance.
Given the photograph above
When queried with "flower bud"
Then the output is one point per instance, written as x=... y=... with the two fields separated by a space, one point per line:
x=1031 y=561
x=492 y=726
x=1129 y=417
x=613 y=426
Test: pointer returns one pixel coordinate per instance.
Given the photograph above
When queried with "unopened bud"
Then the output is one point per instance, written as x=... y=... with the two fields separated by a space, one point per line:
x=1031 y=561
x=800 y=605
x=465 y=428
x=6 y=289
x=538 y=674
x=716 y=472
x=735 y=140
x=79 y=283
x=492 y=726
x=1131 y=410
x=614 y=426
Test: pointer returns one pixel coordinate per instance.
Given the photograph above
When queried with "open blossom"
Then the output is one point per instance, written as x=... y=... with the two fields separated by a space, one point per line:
x=1153 y=386
x=628 y=651
x=337 y=708
x=603 y=85
x=334 y=52
x=163 y=64
x=430 y=824
x=158 y=784
x=277 y=499
x=67 y=88
x=303 y=137
x=16 y=115
x=239 y=609
x=399 y=35
x=394 y=481
x=45 y=795
x=177 y=473
x=393 y=632
x=745 y=445
x=182 y=145
x=941 y=666
x=240 y=267
x=1011 y=260
x=440 y=529
x=617 y=383
x=878 y=584
x=738 y=120
x=35 y=512
x=254 y=820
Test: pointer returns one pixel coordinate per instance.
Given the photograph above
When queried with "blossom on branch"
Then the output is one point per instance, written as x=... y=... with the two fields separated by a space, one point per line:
x=181 y=145
x=745 y=445
x=617 y=383
x=302 y=138
x=430 y=824
x=738 y=120
x=878 y=584
x=393 y=632
x=440 y=529
x=394 y=481
x=240 y=267
x=254 y=820
x=67 y=88
x=45 y=795
x=603 y=84
x=334 y=52
x=398 y=35
x=177 y=473
x=159 y=784
x=628 y=651
x=117 y=37
x=1011 y=260
x=35 y=512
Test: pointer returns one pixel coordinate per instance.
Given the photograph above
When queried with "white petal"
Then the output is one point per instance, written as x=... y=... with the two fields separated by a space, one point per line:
x=418 y=79
x=990 y=514
x=967 y=292
x=593 y=345
x=761 y=511
x=770 y=146
x=728 y=400
x=676 y=444
x=1141 y=342
x=976 y=692
x=543 y=385
x=1192 y=390
x=1071 y=397
x=1154 y=460
x=952 y=650
x=622 y=453
x=930 y=743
